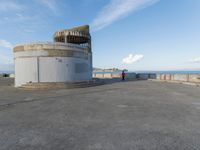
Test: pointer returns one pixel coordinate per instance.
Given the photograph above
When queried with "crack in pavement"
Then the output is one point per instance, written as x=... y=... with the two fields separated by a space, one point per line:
x=50 y=97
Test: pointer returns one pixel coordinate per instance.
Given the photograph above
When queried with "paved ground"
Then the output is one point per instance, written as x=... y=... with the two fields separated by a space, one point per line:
x=137 y=115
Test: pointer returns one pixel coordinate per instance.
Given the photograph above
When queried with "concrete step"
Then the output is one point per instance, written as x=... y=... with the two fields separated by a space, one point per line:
x=62 y=85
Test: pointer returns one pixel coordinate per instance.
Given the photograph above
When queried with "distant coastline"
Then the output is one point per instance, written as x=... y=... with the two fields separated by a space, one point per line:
x=7 y=72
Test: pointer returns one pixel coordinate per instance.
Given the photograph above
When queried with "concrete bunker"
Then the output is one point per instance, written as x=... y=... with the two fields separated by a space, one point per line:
x=66 y=60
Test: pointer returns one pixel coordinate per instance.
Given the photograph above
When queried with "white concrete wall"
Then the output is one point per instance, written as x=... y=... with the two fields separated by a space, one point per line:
x=113 y=75
x=90 y=61
x=181 y=77
x=163 y=77
x=168 y=77
x=143 y=76
x=116 y=75
x=62 y=69
x=51 y=69
x=25 y=71
x=158 y=76
x=130 y=75
x=107 y=75
x=95 y=75
x=194 y=78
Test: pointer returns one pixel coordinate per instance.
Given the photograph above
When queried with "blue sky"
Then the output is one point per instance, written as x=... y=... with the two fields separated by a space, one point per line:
x=133 y=34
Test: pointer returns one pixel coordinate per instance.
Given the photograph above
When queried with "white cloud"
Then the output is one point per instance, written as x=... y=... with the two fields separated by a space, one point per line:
x=50 y=4
x=132 y=58
x=9 y=5
x=195 y=60
x=6 y=44
x=117 y=9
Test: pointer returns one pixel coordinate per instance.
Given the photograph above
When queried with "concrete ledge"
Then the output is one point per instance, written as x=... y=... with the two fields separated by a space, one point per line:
x=49 y=46
x=61 y=85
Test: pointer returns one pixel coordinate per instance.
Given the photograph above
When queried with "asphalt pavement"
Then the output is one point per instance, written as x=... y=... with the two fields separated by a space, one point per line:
x=134 y=115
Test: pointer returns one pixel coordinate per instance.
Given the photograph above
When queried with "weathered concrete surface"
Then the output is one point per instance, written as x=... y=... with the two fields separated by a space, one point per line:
x=193 y=78
x=111 y=75
x=138 y=115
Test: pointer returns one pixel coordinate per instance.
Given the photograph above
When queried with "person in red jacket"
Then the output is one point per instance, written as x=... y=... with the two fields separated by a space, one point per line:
x=123 y=75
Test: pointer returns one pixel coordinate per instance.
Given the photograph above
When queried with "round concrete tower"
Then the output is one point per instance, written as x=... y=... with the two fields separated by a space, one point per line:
x=66 y=60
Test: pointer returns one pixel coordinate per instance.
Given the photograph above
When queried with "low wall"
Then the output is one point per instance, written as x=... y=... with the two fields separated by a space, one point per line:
x=193 y=78
x=146 y=76
x=142 y=76
x=180 y=77
x=130 y=76
x=113 y=75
